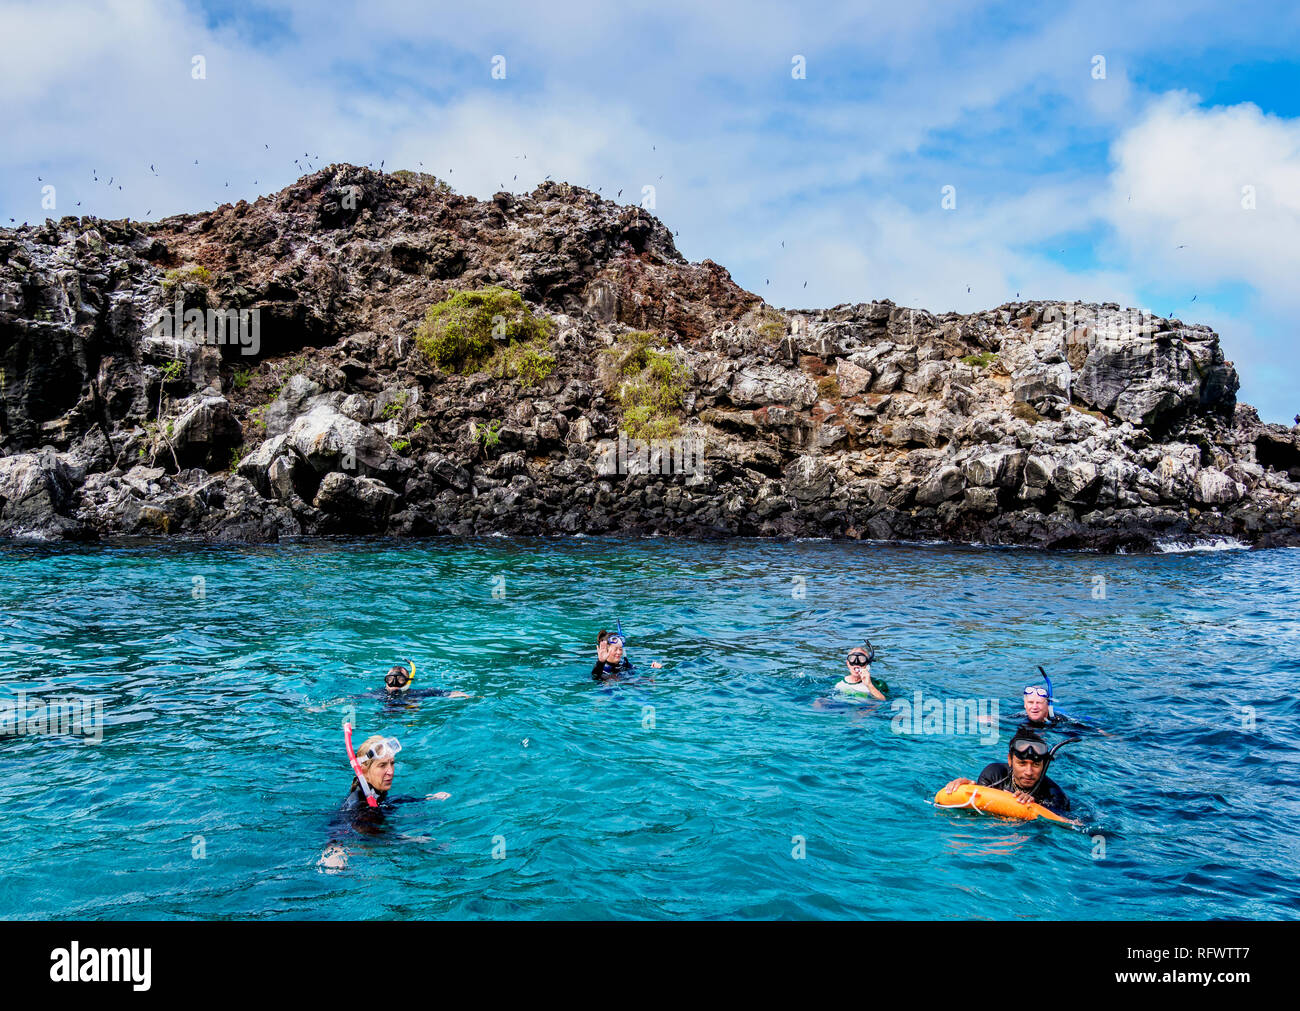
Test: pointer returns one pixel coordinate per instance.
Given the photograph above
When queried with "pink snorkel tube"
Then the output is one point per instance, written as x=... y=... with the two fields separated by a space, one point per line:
x=356 y=766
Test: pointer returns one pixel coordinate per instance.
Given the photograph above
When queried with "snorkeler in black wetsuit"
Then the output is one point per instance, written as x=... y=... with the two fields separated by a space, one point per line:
x=397 y=686
x=1024 y=773
x=1040 y=715
x=376 y=756
x=611 y=664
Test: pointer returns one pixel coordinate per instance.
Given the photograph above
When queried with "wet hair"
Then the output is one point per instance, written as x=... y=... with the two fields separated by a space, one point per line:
x=600 y=639
x=397 y=669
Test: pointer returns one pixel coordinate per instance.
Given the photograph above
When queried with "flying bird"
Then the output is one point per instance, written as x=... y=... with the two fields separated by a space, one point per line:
x=1193 y=298
x=805 y=284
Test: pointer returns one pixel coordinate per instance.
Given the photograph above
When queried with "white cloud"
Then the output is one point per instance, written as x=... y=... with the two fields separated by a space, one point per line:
x=1181 y=179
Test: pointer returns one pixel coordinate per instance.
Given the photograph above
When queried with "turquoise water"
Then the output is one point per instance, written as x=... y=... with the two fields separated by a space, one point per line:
x=212 y=792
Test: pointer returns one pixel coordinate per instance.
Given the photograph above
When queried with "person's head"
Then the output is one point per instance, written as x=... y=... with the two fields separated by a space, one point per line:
x=1037 y=702
x=1028 y=756
x=613 y=647
x=398 y=679
x=377 y=756
x=859 y=661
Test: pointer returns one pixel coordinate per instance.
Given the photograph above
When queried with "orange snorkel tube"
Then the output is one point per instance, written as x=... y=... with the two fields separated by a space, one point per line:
x=356 y=766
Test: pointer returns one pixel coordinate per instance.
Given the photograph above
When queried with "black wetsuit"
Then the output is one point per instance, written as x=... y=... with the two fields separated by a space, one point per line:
x=357 y=812
x=1057 y=722
x=604 y=671
x=410 y=695
x=1045 y=792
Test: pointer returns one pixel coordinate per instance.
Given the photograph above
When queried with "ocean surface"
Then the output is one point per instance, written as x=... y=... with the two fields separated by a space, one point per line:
x=730 y=783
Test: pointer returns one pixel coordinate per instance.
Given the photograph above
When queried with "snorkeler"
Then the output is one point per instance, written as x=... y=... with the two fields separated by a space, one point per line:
x=397 y=682
x=374 y=764
x=1025 y=772
x=364 y=808
x=1041 y=714
x=396 y=689
x=611 y=664
x=858 y=680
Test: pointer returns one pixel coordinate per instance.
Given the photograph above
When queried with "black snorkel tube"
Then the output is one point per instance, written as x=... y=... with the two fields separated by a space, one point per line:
x=1051 y=753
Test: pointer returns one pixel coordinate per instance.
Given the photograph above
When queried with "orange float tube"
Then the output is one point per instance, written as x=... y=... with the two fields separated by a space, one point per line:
x=990 y=801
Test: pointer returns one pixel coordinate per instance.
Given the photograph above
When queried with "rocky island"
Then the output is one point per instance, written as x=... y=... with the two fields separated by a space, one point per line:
x=397 y=359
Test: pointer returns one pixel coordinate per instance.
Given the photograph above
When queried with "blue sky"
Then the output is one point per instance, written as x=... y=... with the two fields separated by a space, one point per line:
x=1129 y=187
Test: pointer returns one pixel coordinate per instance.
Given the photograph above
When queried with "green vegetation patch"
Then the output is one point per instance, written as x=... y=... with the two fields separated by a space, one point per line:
x=982 y=360
x=191 y=272
x=488 y=435
x=649 y=385
x=462 y=332
x=528 y=361
x=768 y=323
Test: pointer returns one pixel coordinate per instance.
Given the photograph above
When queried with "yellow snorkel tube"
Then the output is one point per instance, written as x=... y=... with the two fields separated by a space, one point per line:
x=411 y=669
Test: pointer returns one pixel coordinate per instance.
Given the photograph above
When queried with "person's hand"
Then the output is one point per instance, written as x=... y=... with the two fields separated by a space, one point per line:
x=956 y=783
x=655 y=663
x=438 y=796
x=458 y=695
x=1023 y=797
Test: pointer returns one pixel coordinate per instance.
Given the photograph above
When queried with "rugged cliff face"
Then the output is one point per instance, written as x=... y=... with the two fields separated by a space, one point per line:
x=1060 y=425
